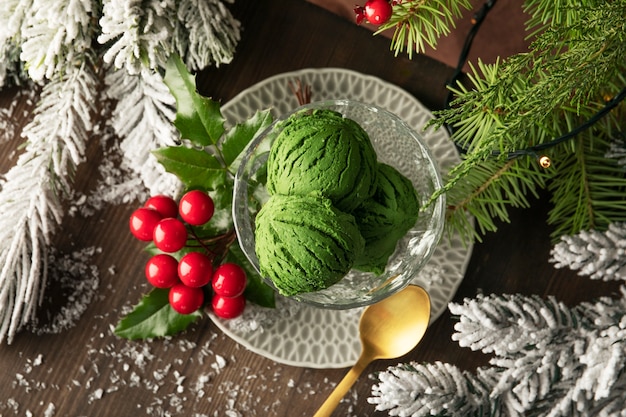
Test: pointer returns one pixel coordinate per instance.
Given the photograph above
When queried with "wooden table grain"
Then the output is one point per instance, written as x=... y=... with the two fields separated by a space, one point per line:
x=87 y=371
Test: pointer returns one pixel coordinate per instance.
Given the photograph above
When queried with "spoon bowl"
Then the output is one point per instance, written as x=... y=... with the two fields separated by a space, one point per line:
x=388 y=329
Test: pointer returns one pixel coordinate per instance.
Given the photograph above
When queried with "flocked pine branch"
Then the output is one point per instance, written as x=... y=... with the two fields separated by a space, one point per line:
x=140 y=39
x=593 y=253
x=444 y=390
x=137 y=33
x=54 y=33
x=11 y=72
x=548 y=360
x=12 y=14
x=206 y=33
x=142 y=118
x=32 y=193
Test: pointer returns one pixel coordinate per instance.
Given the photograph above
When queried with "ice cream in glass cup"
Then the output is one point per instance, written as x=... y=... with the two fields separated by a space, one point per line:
x=311 y=201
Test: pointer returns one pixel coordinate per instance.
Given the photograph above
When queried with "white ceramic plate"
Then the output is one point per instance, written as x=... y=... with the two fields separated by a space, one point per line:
x=301 y=335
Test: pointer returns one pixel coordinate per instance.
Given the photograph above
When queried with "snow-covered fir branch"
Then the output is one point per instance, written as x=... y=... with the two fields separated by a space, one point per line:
x=31 y=195
x=494 y=324
x=529 y=337
x=597 y=254
x=137 y=33
x=576 y=367
x=142 y=118
x=444 y=390
x=206 y=33
x=12 y=15
x=56 y=33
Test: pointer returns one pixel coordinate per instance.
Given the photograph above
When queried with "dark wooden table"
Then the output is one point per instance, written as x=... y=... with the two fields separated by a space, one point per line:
x=87 y=371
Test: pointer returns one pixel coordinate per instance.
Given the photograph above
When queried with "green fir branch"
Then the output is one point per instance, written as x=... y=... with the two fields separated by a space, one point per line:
x=417 y=23
x=513 y=108
x=487 y=192
x=588 y=188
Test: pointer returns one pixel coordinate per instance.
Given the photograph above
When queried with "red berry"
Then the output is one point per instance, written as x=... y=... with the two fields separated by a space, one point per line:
x=228 y=307
x=196 y=207
x=143 y=222
x=378 y=12
x=229 y=280
x=170 y=235
x=163 y=204
x=184 y=299
x=195 y=269
x=162 y=271
x=359 y=11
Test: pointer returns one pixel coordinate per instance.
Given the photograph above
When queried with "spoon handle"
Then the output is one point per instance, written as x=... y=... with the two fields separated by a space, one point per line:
x=343 y=387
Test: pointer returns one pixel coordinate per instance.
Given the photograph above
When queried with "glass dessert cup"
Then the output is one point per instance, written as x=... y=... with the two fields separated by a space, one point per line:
x=396 y=144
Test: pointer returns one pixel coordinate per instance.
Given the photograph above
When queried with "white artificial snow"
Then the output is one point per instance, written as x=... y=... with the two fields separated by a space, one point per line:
x=76 y=274
x=95 y=395
x=8 y=116
x=256 y=318
x=50 y=410
x=219 y=364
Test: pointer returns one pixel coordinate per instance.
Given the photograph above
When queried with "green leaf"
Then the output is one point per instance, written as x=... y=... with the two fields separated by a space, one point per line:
x=194 y=167
x=257 y=291
x=198 y=118
x=222 y=220
x=154 y=317
x=240 y=136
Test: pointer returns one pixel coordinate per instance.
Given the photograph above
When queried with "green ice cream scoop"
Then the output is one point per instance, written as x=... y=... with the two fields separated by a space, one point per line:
x=323 y=151
x=305 y=244
x=385 y=218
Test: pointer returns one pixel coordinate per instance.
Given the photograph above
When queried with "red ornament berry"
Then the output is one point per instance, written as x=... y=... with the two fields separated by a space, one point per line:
x=162 y=270
x=184 y=299
x=229 y=280
x=195 y=269
x=143 y=222
x=378 y=12
x=165 y=205
x=170 y=235
x=228 y=307
x=196 y=207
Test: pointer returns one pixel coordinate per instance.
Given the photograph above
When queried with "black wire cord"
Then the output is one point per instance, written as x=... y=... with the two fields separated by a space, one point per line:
x=477 y=21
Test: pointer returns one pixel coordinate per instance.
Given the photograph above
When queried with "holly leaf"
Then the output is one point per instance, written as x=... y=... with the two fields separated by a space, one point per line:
x=257 y=290
x=154 y=317
x=196 y=168
x=198 y=118
x=238 y=137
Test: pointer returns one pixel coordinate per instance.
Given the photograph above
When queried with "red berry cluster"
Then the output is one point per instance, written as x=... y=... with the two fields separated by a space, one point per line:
x=375 y=12
x=187 y=278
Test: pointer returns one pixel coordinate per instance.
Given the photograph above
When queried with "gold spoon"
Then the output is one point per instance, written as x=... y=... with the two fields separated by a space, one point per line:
x=388 y=329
